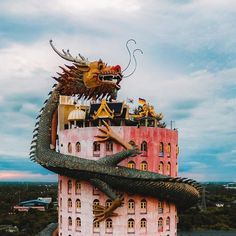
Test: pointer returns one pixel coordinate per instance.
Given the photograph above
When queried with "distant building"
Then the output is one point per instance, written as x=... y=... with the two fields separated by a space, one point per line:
x=230 y=186
x=40 y=204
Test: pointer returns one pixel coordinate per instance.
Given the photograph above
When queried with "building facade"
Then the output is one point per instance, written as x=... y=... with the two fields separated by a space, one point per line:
x=139 y=215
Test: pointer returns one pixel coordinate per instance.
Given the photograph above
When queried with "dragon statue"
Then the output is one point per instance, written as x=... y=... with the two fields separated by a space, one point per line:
x=95 y=80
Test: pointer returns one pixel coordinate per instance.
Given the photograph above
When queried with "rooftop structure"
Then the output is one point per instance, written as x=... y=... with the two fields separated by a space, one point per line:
x=117 y=168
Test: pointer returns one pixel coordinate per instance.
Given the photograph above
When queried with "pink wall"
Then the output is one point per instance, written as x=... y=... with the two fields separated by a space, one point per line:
x=153 y=136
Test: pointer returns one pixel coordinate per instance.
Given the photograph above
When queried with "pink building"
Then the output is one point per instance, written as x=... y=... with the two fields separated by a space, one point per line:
x=138 y=215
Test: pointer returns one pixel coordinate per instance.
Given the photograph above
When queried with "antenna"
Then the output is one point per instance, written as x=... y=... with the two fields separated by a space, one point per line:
x=203 y=203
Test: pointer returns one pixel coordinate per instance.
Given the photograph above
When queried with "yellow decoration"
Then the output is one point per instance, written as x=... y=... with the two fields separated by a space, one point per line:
x=103 y=111
x=147 y=111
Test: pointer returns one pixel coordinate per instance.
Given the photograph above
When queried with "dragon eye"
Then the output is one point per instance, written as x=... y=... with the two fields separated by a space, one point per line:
x=100 y=66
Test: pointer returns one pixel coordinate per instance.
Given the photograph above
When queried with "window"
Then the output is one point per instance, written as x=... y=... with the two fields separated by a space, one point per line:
x=108 y=223
x=161 y=149
x=108 y=203
x=77 y=147
x=161 y=167
x=168 y=169
x=77 y=187
x=69 y=222
x=96 y=224
x=69 y=148
x=78 y=223
x=109 y=146
x=144 y=148
x=131 y=204
x=143 y=223
x=60 y=203
x=177 y=150
x=96 y=202
x=160 y=225
x=77 y=204
x=130 y=223
x=96 y=149
x=144 y=165
x=131 y=165
x=69 y=204
x=160 y=207
x=143 y=206
x=132 y=143
x=168 y=149
x=69 y=186
x=168 y=223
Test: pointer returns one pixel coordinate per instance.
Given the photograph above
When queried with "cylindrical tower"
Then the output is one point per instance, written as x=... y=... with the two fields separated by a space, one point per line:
x=139 y=215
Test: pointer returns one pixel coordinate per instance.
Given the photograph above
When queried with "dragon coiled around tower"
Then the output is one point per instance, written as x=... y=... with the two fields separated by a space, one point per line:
x=96 y=80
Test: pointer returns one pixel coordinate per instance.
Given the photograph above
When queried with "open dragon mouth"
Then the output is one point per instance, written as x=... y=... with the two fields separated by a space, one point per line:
x=111 y=78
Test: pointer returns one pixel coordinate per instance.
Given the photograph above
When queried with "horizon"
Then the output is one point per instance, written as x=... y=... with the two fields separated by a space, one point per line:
x=188 y=69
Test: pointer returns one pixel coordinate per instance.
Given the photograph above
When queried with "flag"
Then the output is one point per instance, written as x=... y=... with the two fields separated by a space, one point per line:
x=141 y=101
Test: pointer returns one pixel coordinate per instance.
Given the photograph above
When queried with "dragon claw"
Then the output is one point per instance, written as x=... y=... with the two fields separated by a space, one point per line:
x=101 y=213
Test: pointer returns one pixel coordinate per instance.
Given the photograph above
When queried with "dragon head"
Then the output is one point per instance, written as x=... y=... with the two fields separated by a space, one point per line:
x=89 y=79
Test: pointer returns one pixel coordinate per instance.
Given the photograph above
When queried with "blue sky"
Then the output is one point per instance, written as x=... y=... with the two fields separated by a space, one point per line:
x=188 y=71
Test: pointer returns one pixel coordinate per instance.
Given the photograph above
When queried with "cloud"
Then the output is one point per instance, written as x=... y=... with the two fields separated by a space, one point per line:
x=187 y=71
x=25 y=176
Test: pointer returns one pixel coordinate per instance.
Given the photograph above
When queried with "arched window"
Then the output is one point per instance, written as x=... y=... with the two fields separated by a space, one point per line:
x=69 y=186
x=131 y=223
x=69 y=222
x=177 y=150
x=77 y=147
x=160 y=225
x=96 y=149
x=69 y=147
x=69 y=204
x=132 y=143
x=108 y=203
x=78 y=223
x=131 y=165
x=161 y=149
x=77 y=187
x=168 y=169
x=131 y=204
x=109 y=146
x=96 y=202
x=143 y=223
x=168 y=223
x=96 y=224
x=161 y=167
x=160 y=207
x=143 y=206
x=108 y=223
x=77 y=204
x=144 y=165
x=144 y=148
x=168 y=149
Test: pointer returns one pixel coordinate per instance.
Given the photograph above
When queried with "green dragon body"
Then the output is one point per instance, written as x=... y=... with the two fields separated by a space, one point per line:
x=105 y=173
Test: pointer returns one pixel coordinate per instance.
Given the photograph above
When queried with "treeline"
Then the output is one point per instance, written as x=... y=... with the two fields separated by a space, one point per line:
x=215 y=218
x=28 y=223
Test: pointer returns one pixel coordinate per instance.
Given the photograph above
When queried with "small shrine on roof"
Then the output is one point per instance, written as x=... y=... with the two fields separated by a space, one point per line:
x=115 y=113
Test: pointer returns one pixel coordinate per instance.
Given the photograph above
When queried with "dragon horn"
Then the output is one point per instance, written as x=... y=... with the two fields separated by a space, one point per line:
x=67 y=56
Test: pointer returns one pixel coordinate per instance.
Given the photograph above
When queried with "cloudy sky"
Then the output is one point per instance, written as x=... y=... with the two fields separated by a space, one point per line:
x=188 y=71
